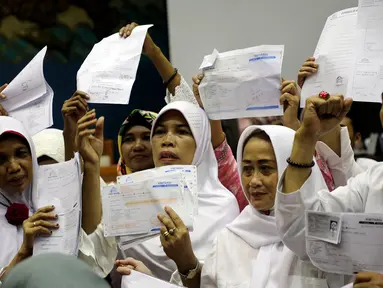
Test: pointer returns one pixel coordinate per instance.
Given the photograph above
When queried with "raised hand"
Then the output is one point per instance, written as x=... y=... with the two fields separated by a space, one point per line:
x=308 y=68
x=39 y=224
x=126 y=266
x=290 y=100
x=149 y=47
x=90 y=140
x=196 y=81
x=175 y=240
x=72 y=111
x=322 y=115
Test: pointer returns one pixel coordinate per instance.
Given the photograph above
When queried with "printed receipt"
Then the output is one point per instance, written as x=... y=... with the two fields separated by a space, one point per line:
x=360 y=247
x=132 y=208
x=242 y=83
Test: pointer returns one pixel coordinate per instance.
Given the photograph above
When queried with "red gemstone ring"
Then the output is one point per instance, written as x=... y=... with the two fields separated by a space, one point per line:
x=324 y=95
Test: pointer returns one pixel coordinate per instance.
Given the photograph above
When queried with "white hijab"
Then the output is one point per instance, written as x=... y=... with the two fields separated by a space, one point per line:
x=217 y=205
x=11 y=237
x=272 y=266
x=50 y=142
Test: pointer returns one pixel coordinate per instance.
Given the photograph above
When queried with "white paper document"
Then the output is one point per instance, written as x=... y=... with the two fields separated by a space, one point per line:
x=130 y=208
x=367 y=76
x=108 y=73
x=243 y=83
x=360 y=247
x=29 y=97
x=334 y=54
x=140 y=280
x=60 y=185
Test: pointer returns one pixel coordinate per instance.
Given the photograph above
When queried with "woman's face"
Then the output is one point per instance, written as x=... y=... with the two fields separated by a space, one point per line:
x=16 y=168
x=173 y=141
x=136 y=149
x=259 y=173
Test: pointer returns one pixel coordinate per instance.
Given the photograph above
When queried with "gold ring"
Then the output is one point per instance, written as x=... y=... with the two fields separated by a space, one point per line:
x=166 y=234
x=34 y=224
x=171 y=231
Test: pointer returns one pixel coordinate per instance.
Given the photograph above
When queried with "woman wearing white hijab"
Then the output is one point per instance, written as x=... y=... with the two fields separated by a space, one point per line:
x=50 y=147
x=17 y=182
x=181 y=136
x=299 y=189
x=249 y=251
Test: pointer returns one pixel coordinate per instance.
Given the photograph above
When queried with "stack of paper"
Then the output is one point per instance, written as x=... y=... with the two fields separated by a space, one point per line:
x=130 y=208
x=109 y=71
x=60 y=185
x=242 y=83
x=29 y=97
x=345 y=243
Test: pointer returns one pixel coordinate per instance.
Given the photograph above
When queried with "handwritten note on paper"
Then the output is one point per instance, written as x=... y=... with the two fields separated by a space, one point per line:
x=60 y=185
x=334 y=54
x=243 y=83
x=360 y=238
x=29 y=97
x=109 y=71
x=38 y=115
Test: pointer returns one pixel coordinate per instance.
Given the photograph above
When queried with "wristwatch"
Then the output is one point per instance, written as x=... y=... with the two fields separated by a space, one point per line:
x=192 y=273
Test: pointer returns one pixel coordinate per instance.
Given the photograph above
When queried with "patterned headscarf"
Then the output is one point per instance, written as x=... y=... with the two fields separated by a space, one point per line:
x=136 y=118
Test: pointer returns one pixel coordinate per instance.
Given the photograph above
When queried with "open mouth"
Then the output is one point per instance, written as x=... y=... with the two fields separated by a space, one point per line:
x=168 y=156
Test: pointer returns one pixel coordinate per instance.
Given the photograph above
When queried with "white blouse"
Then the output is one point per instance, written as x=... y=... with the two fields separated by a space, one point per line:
x=98 y=251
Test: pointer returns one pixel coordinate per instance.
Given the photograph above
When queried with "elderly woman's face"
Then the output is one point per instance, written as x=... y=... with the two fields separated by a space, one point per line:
x=259 y=173
x=16 y=168
x=173 y=142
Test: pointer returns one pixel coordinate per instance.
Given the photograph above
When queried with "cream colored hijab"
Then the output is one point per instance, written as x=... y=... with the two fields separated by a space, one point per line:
x=50 y=142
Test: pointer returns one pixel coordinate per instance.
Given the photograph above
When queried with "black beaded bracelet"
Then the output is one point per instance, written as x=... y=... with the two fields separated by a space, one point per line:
x=299 y=165
x=166 y=84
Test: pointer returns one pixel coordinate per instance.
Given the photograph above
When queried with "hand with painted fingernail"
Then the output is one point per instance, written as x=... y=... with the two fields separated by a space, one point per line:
x=42 y=223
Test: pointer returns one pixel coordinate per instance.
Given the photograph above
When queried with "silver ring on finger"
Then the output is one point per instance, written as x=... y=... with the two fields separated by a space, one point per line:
x=171 y=231
x=34 y=224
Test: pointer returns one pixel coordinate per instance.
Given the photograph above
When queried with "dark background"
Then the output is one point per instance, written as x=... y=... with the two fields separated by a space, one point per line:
x=27 y=26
